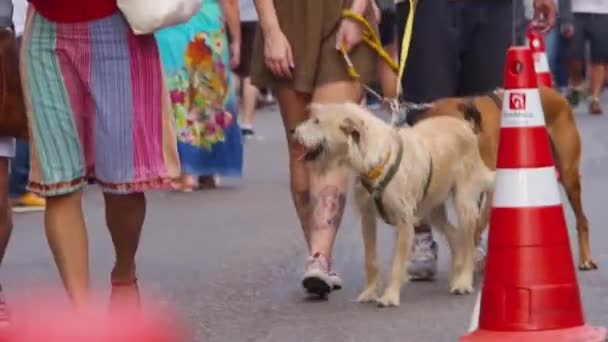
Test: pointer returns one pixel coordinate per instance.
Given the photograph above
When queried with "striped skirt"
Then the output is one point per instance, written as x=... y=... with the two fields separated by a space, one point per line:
x=98 y=108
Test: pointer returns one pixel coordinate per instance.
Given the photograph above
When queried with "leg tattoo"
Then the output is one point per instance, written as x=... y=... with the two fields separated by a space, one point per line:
x=328 y=208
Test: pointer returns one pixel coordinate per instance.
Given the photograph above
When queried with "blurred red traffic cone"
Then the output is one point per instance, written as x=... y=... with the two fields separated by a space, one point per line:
x=541 y=63
x=530 y=291
x=48 y=320
x=544 y=76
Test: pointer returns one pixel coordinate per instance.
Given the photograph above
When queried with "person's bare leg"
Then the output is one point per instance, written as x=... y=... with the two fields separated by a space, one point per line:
x=67 y=237
x=576 y=81
x=249 y=96
x=388 y=77
x=125 y=215
x=6 y=228
x=328 y=199
x=328 y=191
x=293 y=111
x=575 y=73
x=598 y=72
x=6 y=222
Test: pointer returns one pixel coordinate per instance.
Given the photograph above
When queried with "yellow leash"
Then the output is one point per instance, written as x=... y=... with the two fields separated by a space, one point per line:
x=373 y=41
x=405 y=44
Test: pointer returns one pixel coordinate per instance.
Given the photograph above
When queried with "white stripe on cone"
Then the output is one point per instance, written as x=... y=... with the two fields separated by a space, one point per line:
x=541 y=64
x=522 y=108
x=474 y=323
x=542 y=189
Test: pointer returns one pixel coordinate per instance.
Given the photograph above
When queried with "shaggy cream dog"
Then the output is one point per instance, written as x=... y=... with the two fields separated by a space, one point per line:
x=406 y=175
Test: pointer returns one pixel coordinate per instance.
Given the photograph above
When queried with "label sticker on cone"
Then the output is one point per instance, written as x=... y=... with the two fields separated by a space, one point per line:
x=522 y=108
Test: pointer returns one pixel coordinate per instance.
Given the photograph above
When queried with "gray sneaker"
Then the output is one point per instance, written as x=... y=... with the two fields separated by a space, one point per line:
x=333 y=276
x=480 y=258
x=423 y=265
x=316 y=279
x=574 y=95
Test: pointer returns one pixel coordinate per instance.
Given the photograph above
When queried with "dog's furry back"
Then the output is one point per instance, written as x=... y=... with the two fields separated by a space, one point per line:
x=453 y=147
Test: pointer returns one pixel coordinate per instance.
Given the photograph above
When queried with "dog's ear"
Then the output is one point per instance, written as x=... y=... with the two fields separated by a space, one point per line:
x=351 y=128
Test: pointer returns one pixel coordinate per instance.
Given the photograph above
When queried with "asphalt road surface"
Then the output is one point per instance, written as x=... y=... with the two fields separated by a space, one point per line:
x=230 y=260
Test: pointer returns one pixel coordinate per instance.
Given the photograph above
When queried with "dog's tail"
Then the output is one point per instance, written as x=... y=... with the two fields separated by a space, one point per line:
x=471 y=114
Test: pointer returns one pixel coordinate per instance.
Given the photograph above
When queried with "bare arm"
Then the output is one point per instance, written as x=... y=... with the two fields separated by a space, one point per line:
x=350 y=32
x=267 y=15
x=278 y=56
x=230 y=9
x=360 y=6
x=547 y=9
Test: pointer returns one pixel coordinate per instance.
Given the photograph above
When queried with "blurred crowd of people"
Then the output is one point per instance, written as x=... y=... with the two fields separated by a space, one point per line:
x=576 y=49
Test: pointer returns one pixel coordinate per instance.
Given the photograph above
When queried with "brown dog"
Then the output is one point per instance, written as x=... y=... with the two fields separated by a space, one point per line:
x=565 y=140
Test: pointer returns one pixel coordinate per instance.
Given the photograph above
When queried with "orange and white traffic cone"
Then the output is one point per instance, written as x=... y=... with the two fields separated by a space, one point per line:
x=530 y=291
x=541 y=63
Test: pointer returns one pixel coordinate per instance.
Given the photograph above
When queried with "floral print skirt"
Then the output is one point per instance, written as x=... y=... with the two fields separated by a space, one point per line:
x=196 y=60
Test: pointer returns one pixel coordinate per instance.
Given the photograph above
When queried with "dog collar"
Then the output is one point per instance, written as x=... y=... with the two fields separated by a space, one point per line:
x=377 y=191
x=377 y=171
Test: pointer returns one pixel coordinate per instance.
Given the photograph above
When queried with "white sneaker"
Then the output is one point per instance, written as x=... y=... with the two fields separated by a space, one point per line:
x=333 y=276
x=316 y=279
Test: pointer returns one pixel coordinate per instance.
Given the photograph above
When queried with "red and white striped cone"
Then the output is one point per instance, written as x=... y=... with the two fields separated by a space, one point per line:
x=541 y=63
x=530 y=291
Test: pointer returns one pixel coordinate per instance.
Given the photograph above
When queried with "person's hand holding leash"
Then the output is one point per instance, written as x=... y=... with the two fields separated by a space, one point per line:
x=350 y=32
x=545 y=13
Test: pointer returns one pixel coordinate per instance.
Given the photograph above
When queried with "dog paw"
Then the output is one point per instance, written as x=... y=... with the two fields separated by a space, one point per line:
x=587 y=265
x=461 y=290
x=388 y=300
x=368 y=295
